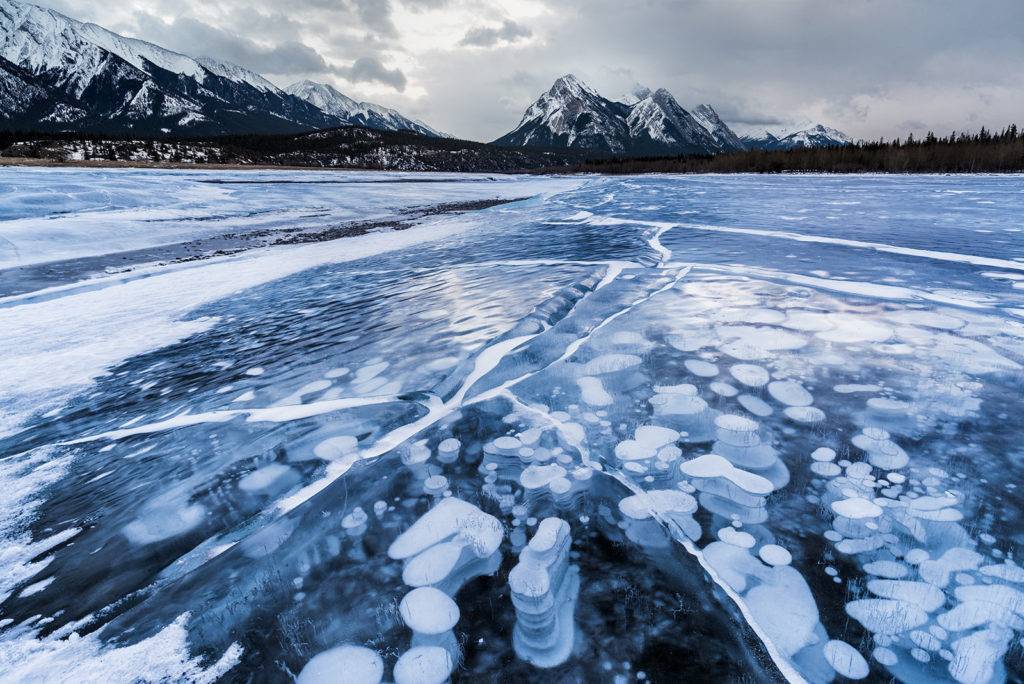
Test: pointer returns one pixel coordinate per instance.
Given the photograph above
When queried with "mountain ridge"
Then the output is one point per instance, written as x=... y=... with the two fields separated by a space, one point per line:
x=573 y=115
x=58 y=73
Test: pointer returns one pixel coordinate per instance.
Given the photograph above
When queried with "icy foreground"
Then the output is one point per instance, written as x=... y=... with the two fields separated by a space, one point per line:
x=630 y=429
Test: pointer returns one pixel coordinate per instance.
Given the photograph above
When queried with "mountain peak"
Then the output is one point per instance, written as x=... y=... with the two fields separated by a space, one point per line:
x=570 y=85
x=637 y=93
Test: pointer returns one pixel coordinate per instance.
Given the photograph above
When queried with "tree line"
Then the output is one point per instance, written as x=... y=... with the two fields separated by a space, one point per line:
x=982 y=152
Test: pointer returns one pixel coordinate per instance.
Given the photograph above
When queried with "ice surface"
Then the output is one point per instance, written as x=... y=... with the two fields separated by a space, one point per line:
x=801 y=434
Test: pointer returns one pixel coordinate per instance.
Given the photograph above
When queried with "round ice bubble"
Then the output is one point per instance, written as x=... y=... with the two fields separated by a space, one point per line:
x=773 y=554
x=427 y=610
x=348 y=663
x=424 y=665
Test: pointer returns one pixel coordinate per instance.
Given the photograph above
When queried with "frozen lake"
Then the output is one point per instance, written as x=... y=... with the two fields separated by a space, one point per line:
x=620 y=429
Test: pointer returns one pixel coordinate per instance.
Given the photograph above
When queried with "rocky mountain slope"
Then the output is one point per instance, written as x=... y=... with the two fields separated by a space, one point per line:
x=59 y=74
x=807 y=135
x=573 y=115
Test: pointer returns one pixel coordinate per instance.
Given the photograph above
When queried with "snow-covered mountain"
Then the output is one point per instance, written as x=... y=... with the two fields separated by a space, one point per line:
x=573 y=115
x=57 y=73
x=329 y=100
x=708 y=118
x=804 y=135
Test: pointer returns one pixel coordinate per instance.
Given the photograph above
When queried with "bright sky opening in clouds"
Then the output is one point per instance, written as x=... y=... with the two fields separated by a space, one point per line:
x=470 y=67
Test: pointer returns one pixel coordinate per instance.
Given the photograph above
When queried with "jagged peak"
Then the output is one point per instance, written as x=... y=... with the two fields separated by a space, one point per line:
x=571 y=85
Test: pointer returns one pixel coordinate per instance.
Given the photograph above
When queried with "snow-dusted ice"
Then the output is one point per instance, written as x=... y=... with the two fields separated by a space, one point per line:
x=622 y=429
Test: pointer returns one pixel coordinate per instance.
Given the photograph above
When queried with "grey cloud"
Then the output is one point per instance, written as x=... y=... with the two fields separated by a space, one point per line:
x=488 y=36
x=376 y=15
x=370 y=70
x=194 y=37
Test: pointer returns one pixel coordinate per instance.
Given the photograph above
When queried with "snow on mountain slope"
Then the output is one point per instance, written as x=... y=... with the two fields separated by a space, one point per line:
x=330 y=100
x=573 y=115
x=103 y=81
x=708 y=118
x=238 y=74
x=803 y=135
x=659 y=123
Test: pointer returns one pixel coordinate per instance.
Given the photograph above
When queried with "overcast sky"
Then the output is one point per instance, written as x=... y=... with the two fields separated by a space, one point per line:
x=470 y=67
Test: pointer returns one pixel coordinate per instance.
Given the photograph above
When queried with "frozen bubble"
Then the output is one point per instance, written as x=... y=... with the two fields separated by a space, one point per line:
x=926 y=319
x=632 y=450
x=164 y=522
x=654 y=436
x=593 y=391
x=428 y=611
x=418 y=452
x=846 y=660
x=370 y=371
x=685 y=389
x=254 y=371
x=886 y=568
x=856 y=508
x=691 y=341
x=826 y=469
x=701 y=368
x=537 y=476
x=1008 y=570
x=998 y=594
x=354 y=520
x=264 y=478
x=755 y=405
x=730 y=535
x=662 y=501
x=507 y=444
x=750 y=375
x=753 y=343
x=723 y=389
x=853 y=329
x=976 y=655
x=926 y=596
x=790 y=393
x=713 y=466
x=737 y=430
x=435 y=484
x=451 y=517
x=628 y=338
x=424 y=665
x=807 y=321
x=804 y=414
x=450 y=445
x=773 y=554
x=349 y=663
x=886 y=616
x=336 y=373
x=954 y=560
x=884 y=405
x=560 y=485
x=823 y=454
x=884 y=656
x=610 y=363
x=335 y=448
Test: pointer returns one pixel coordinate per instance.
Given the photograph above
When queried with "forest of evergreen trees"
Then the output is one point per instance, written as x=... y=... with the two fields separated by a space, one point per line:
x=982 y=152
x=354 y=147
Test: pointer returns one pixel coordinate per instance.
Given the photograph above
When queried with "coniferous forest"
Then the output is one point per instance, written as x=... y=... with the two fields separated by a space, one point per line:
x=353 y=147
x=981 y=152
